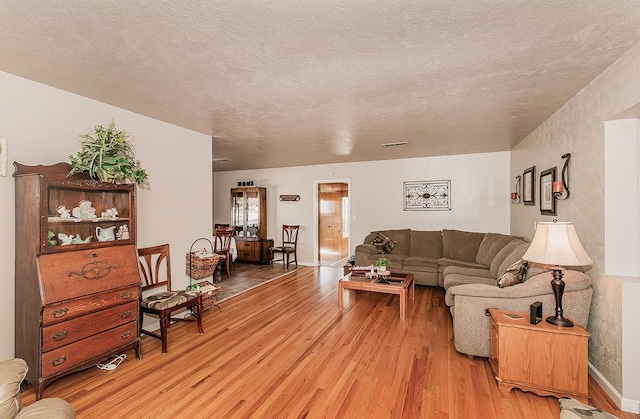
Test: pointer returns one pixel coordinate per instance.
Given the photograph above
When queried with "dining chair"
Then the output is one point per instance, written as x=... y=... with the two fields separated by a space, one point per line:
x=155 y=268
x=289 y=246
x=222 y=247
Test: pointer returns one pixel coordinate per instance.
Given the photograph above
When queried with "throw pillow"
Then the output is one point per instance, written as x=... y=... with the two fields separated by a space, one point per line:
x=383 y=243
x=573 y=409
x=512 y=276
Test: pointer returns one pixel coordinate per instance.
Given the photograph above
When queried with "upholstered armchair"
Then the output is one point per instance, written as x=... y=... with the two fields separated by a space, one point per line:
x=12 y=372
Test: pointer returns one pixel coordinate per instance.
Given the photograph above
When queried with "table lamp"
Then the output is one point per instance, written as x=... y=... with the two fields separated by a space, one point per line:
x=557 y=244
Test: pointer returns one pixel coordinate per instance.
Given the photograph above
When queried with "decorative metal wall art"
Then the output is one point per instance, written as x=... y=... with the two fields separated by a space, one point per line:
x=290 y=198
x=432 y=195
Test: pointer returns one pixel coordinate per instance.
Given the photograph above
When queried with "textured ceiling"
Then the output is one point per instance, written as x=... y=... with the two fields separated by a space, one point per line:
x=287 y=83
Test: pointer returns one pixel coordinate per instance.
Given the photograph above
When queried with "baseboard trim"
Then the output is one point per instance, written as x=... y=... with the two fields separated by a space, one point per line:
x=624 y=404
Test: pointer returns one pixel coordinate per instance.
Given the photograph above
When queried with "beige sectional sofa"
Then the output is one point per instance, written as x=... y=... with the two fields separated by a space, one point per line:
x=468 y=265
x=428 y=254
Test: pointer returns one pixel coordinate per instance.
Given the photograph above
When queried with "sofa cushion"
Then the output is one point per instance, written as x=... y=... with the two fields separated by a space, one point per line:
x=502 y=255
x=461 y=270
x=401 y=237
x=444 y=262
x=461 y=245
x=426 y=244
x=513 y=257
x=383 y=243
x=512 y=276
x=491 y=244
x=417 y=262
x=458 y=279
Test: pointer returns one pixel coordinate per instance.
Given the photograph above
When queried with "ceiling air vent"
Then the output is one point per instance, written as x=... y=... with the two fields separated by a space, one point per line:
x=395 y=144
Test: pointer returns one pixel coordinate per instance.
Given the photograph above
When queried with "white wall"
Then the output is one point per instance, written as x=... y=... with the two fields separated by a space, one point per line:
x=479 y=195
x=622 y=243
x=42 y=124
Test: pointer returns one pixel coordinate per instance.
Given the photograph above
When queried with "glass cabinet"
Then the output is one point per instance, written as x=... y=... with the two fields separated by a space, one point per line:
x=249 y=219
x=249 y=212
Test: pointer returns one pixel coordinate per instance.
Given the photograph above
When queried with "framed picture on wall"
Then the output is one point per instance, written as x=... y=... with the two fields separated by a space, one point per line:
x=528 y=186
x=547 y=200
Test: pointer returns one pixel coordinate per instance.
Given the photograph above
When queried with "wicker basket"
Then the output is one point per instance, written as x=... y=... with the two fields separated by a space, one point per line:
x=201 y=267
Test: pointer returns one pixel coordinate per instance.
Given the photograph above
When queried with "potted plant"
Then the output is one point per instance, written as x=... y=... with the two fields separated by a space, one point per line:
x=382 y=264
x=107 y=154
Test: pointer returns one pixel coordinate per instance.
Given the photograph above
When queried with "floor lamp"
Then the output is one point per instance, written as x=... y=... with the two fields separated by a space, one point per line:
x=557 y=244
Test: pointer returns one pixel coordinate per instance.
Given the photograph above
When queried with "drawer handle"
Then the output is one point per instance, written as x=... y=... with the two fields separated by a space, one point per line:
x=126 y=295
x=60 y=335
x=61 y=312
x=58 y=361
x=125 y=335
x=125 y=314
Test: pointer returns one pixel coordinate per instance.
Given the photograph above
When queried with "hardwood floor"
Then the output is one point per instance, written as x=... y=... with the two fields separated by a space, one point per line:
x=282 y=350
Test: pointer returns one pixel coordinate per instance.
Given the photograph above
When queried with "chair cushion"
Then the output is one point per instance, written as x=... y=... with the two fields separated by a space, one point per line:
x=168 y=299
x=287 y=249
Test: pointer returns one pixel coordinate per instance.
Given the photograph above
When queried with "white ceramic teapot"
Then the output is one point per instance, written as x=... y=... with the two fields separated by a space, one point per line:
x=105 y=234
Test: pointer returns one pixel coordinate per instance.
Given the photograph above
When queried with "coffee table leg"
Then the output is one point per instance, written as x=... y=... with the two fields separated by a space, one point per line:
x=403 y=303
x=413 y=290
x=340 y=290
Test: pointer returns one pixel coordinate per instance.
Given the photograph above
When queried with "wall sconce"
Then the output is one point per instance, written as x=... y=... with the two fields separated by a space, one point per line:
x=515 y=196
x=560 y=187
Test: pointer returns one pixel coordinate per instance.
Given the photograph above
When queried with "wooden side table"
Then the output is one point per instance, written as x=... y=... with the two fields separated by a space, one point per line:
x=542 y=358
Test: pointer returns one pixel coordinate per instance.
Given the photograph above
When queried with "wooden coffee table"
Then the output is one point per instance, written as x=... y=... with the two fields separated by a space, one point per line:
x=401 y=284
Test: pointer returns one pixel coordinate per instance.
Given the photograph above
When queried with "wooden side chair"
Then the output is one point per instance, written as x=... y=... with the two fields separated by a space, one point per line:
x=289 y=246
x=222 y=247
x=162 y=304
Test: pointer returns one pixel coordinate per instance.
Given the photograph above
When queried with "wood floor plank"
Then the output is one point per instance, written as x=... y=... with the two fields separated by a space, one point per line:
x=284 y=350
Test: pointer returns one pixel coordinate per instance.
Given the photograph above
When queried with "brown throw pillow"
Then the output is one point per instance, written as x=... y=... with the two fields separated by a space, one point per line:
x=512 y=276
x=383 y=243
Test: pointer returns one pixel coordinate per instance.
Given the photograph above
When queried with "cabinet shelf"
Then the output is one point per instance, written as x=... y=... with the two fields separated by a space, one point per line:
x=60 y=220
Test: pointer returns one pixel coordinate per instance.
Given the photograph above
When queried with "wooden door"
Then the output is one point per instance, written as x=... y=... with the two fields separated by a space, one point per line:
x=333 y=220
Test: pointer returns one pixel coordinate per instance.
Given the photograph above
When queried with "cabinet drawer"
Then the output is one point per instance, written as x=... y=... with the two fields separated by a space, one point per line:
x=71 y=331
x=69 y=356
x=71 y=309
x=74 y=274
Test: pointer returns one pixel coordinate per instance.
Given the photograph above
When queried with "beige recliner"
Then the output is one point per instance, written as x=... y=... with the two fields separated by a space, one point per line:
x=12 y=372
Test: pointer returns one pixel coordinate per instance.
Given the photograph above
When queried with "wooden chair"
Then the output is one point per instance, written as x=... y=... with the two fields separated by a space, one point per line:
x=222 y=247
x=289 y=246
x=164 y=303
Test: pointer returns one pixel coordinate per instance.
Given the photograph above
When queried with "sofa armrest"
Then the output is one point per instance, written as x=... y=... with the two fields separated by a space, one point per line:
x=12 y=372
x=50 y=408
x=535 y=286
x=363 y=252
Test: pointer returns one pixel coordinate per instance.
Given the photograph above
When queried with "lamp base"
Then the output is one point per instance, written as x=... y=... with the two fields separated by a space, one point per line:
x=557 y=284
x=559 y=321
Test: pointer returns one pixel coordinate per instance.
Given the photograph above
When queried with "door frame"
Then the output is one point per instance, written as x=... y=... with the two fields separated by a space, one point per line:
x=316 y=216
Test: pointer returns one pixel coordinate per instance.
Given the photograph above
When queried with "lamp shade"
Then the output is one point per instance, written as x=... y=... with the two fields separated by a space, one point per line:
x=557 y=244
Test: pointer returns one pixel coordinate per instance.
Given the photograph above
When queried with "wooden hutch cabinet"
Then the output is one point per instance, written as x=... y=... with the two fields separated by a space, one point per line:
x=249 y=218
x=76 y=297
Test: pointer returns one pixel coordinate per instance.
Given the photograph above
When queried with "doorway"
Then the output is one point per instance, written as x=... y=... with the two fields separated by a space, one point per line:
x=333 y=223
